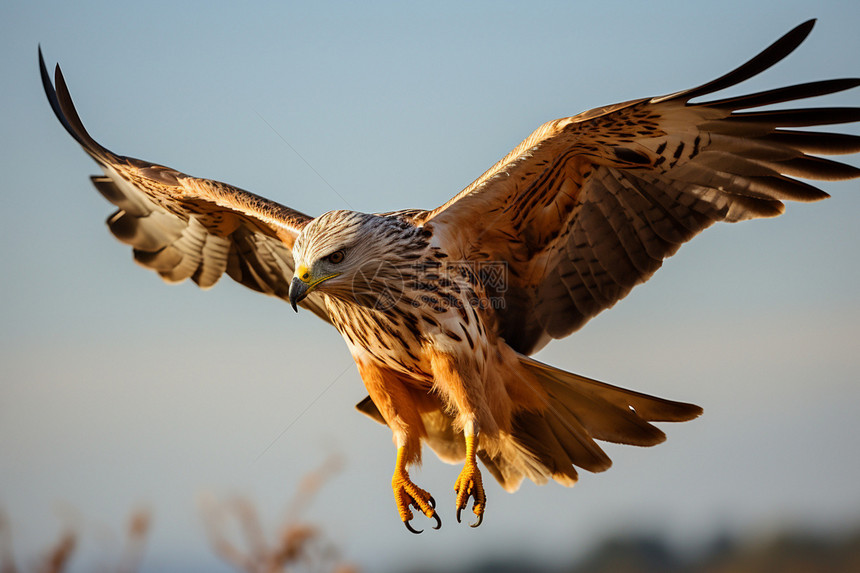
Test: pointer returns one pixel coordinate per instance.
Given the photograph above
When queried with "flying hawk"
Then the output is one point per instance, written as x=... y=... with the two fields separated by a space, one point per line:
x=441 y=309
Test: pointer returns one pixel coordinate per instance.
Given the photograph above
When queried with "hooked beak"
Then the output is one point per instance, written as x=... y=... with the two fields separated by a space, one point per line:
x=303 y=284
x=298 y=291
x=300 y=286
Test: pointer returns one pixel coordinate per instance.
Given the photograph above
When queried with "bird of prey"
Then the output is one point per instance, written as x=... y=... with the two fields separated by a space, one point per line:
x=441 y=308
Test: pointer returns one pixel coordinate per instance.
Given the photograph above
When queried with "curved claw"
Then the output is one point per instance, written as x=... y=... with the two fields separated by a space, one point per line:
x=469 y=486
x=418 y=531
x=411 y=529
x=476 y=524
x=407 y=494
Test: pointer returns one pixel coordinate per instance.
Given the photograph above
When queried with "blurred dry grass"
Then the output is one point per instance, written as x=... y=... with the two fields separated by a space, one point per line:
x=298 y=546
x=56 y=559
x=238 y=536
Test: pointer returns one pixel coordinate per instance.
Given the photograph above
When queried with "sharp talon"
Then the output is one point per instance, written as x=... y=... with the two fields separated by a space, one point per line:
x=407 y=494
x=469 y=487
x=409 y=527
x=476 y=524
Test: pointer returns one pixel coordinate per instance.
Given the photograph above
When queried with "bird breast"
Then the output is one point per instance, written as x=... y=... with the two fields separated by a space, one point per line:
x=437 y=305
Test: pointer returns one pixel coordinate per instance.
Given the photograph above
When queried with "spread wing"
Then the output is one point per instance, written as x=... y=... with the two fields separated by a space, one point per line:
x=184 y=227
x=589 y=206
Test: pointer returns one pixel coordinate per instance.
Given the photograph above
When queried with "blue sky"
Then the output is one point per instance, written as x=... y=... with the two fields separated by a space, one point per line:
x=117 y=390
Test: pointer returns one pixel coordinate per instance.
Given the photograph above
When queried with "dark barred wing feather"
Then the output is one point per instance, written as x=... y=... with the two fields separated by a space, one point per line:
x=589 y=206
x=185 y=227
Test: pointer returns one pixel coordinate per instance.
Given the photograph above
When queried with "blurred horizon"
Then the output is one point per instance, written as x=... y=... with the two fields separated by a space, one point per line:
x=300 y=545
x=117 y=390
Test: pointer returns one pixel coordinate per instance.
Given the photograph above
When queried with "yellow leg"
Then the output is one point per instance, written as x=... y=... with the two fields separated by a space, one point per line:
x=407 y=493
x=469 y=484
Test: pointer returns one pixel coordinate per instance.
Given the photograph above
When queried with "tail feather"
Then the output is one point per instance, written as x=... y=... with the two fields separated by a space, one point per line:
x=580 y=410
x=553 y=433
x=601 y=419
x=648 y=408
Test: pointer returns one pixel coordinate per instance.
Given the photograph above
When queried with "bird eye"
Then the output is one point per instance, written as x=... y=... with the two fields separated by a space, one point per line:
x=336 y=257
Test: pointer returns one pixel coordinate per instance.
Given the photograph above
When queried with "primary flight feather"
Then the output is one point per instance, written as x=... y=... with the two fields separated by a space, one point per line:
x=441 y=308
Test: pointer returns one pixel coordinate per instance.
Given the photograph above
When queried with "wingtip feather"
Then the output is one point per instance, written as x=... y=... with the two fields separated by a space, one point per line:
x=765 y=59
x=61 y=103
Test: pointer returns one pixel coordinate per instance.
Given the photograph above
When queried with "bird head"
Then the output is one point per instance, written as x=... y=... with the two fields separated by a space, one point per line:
x=348 y=255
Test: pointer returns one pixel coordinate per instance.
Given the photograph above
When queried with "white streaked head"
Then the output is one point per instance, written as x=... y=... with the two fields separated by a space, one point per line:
x=335 y=252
